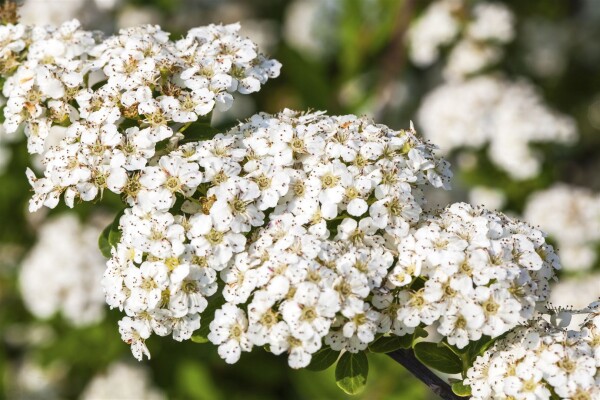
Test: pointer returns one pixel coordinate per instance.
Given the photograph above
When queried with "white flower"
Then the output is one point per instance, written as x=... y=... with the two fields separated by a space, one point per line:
x=214 y=241
x=146 y=285
x=300 y=350
x=134 y=332
x=228 y=330
x=233 y=208
x=310 y=312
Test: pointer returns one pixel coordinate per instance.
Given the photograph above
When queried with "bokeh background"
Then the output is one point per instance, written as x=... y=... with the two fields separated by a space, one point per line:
x=509 y=90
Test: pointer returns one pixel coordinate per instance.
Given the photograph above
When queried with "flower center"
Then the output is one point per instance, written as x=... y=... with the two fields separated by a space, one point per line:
x=329 y=180
x=214 y=237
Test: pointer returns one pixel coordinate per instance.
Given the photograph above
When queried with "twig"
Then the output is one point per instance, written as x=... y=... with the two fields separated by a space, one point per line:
x=407 y=359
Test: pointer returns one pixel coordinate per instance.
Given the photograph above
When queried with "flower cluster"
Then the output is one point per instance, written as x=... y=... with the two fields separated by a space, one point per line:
x=571 y=216
x=540 y=361
x=477 y=32
x=64 y=276
x=492 y=110
x=300 y=230
x=481 y=273
x=299 y=176
x=119 y=97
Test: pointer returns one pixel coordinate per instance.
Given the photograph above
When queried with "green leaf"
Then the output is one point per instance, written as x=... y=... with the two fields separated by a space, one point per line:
x=420 y=333
x=323 y=359
x=439 y=357
x=386 y=344
x=460 y=389
x=477 y=348
x=199 y=339
x=103 y=243
x=110 y=236
x=351 y=372
x=198 y=130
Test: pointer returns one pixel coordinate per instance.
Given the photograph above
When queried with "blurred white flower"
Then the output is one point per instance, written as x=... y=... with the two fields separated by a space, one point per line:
x=122 y=382
x=478 y=29
x=490 y=109
x=49 y=12
x=28 y=380
x=304 y=26
x=468 y=57
x=435 y=28
x=64 y=275
x=490 y=198
x=571 y=216
x=576 y=292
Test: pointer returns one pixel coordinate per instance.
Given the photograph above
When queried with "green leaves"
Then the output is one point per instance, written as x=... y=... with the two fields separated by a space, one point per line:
x=476 y=348
x=439 y=357
x=198 y=130
x=110 y=236
x=323 y=359
x=351 y=372
x=460 y=389
x=386 y=344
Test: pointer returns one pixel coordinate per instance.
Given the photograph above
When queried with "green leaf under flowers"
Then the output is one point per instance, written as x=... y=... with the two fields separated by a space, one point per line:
x=352 y=371
x=103 y=243
x=477 y=348
x=460 y=389
x=323 y=359
x=199 y=339
x=387 y=344
x=419 y=333
x=439 y=357
x=110 y=236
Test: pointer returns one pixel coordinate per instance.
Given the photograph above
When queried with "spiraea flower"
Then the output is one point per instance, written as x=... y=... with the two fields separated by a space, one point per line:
x=96 y=87
x=295 y=231
x=540 y=361
x=483 y=273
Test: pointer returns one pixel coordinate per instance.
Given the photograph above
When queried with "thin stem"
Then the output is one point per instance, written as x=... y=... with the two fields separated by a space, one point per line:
x=406 y=358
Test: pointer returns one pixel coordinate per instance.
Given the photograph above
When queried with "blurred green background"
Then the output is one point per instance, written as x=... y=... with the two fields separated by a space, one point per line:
x=343 y=56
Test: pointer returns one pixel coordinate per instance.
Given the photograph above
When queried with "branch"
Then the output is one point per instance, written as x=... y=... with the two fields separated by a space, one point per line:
x=407 y=359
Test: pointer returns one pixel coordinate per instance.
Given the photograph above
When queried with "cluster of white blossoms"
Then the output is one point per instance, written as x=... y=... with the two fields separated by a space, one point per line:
x=482 y=273
x=63 y=276
x=540 y=361
x=476 y=33
x=118 y=97
x=492 y=110
x=122 y=381
x=571 y=216
x=299 y=177
x=299 y=230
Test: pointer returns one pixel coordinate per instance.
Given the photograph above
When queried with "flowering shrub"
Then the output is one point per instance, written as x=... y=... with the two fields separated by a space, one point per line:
x=300 y=232
x=541 y=361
